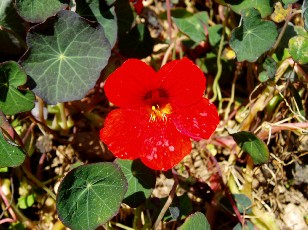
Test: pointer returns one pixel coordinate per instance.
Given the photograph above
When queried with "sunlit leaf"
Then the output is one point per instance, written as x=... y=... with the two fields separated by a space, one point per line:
x=13 y=100
x=11 y=155
x=38 y=11
x=65 y=57
x=298 y=48
x=280 y=13
x=251 y=144
x=196 y=221
x=264 y=7
x=103 y=13
x=253 y=37
x=141 y=181
x=90 y=195
x=193 y=26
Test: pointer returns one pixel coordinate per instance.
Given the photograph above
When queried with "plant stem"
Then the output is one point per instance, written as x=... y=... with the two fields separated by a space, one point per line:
x=167 y=204
x=40 y=184
x=121 y=225
x=63 y=115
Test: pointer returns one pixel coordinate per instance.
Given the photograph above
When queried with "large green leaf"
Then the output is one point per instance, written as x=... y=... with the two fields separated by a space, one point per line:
x=90 y=195
x=100 y=11
x=298 y=48
x=251 y=144
x=13 y=100
x=65 y=57
x=193 y=26
x=11 y=155
x=141 y=181
x=253 y=37
x=196 y=221
x=12 y=30
x=37 y=10
x=263 y=6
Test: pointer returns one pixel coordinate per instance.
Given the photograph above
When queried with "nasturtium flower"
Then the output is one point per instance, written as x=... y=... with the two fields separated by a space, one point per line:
x=158 y=112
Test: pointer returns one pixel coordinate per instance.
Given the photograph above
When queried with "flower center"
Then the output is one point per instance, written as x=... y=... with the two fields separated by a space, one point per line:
x=159 y=106
x=160 y=112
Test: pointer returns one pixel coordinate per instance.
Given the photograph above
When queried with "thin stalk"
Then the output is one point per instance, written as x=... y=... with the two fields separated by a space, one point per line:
x=121 y=225
x=63 y=115
x=167 y=204
x=168 y=5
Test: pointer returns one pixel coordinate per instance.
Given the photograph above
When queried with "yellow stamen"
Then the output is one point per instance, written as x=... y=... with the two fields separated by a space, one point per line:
x=160 y=113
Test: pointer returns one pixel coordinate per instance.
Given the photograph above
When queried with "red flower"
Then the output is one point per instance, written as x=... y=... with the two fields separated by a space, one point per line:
x=138 y=5
x=159 y=112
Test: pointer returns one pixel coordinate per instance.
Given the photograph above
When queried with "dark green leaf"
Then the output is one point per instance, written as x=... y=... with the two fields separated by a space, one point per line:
x=215 y=33
x=101 y=12
x=65 y=57
x=38 y=11
x=263 y=6
x=13 y=100
x=138 y=43
x=251 y=144
x=90 y=195
x=180 y=208
x=11 y=155
x=13 y=31
x=243 y=203
x=253 y=37
x=125 y=16
x=141 y=181
x=193 y=26
x=196 y=221
x=298 y=48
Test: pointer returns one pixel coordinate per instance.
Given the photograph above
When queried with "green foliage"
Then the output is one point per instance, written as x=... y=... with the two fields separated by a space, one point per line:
x=298 y=48
x=11 y=155
x=305 y=14
x=251 y=144
x=13 y=100
x=141 y=181
x=90 y=195
x=253 y=37
x=38 y=11
x=65 y=57
x=196 y=221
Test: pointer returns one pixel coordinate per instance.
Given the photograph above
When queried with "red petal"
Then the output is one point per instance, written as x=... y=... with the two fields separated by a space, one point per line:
x=138 y=5
x=183 y=80
x=198 y=121
x=128 y=84
x=129 y=134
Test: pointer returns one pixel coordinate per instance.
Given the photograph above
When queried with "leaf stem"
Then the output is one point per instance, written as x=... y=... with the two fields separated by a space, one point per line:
x=40 y=184
x=167 y=204
x=63 y=115
x=121 y=225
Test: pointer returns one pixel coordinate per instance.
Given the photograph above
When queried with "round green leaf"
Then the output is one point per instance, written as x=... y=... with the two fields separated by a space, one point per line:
x=263 y=6
x=101 y=12
x=37 y=10
x=298 y=48
x=253 y=37
x=65 y=57
x=196 y=221
x=141 y=181
x=11 y=155
x=13 y=100
x=90 y=195
x=251 y=144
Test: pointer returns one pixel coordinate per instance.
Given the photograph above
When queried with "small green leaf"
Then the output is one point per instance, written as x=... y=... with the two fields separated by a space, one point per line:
x=298 y=48
x=38 y=11
x=215 y=33
x=263 y=6
x=180 y=208
x=11 y=155
x=137 y=43
x=90 y=195
x=13 y=100
x=253 y=37
x=269 y=70
x=196 y=221
x=286 y=2
x=243 y=203
x=27 y=201
x=65 y=57
x=251 y=144
x=141 y=181
x=101 y=12
x=193 y=26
